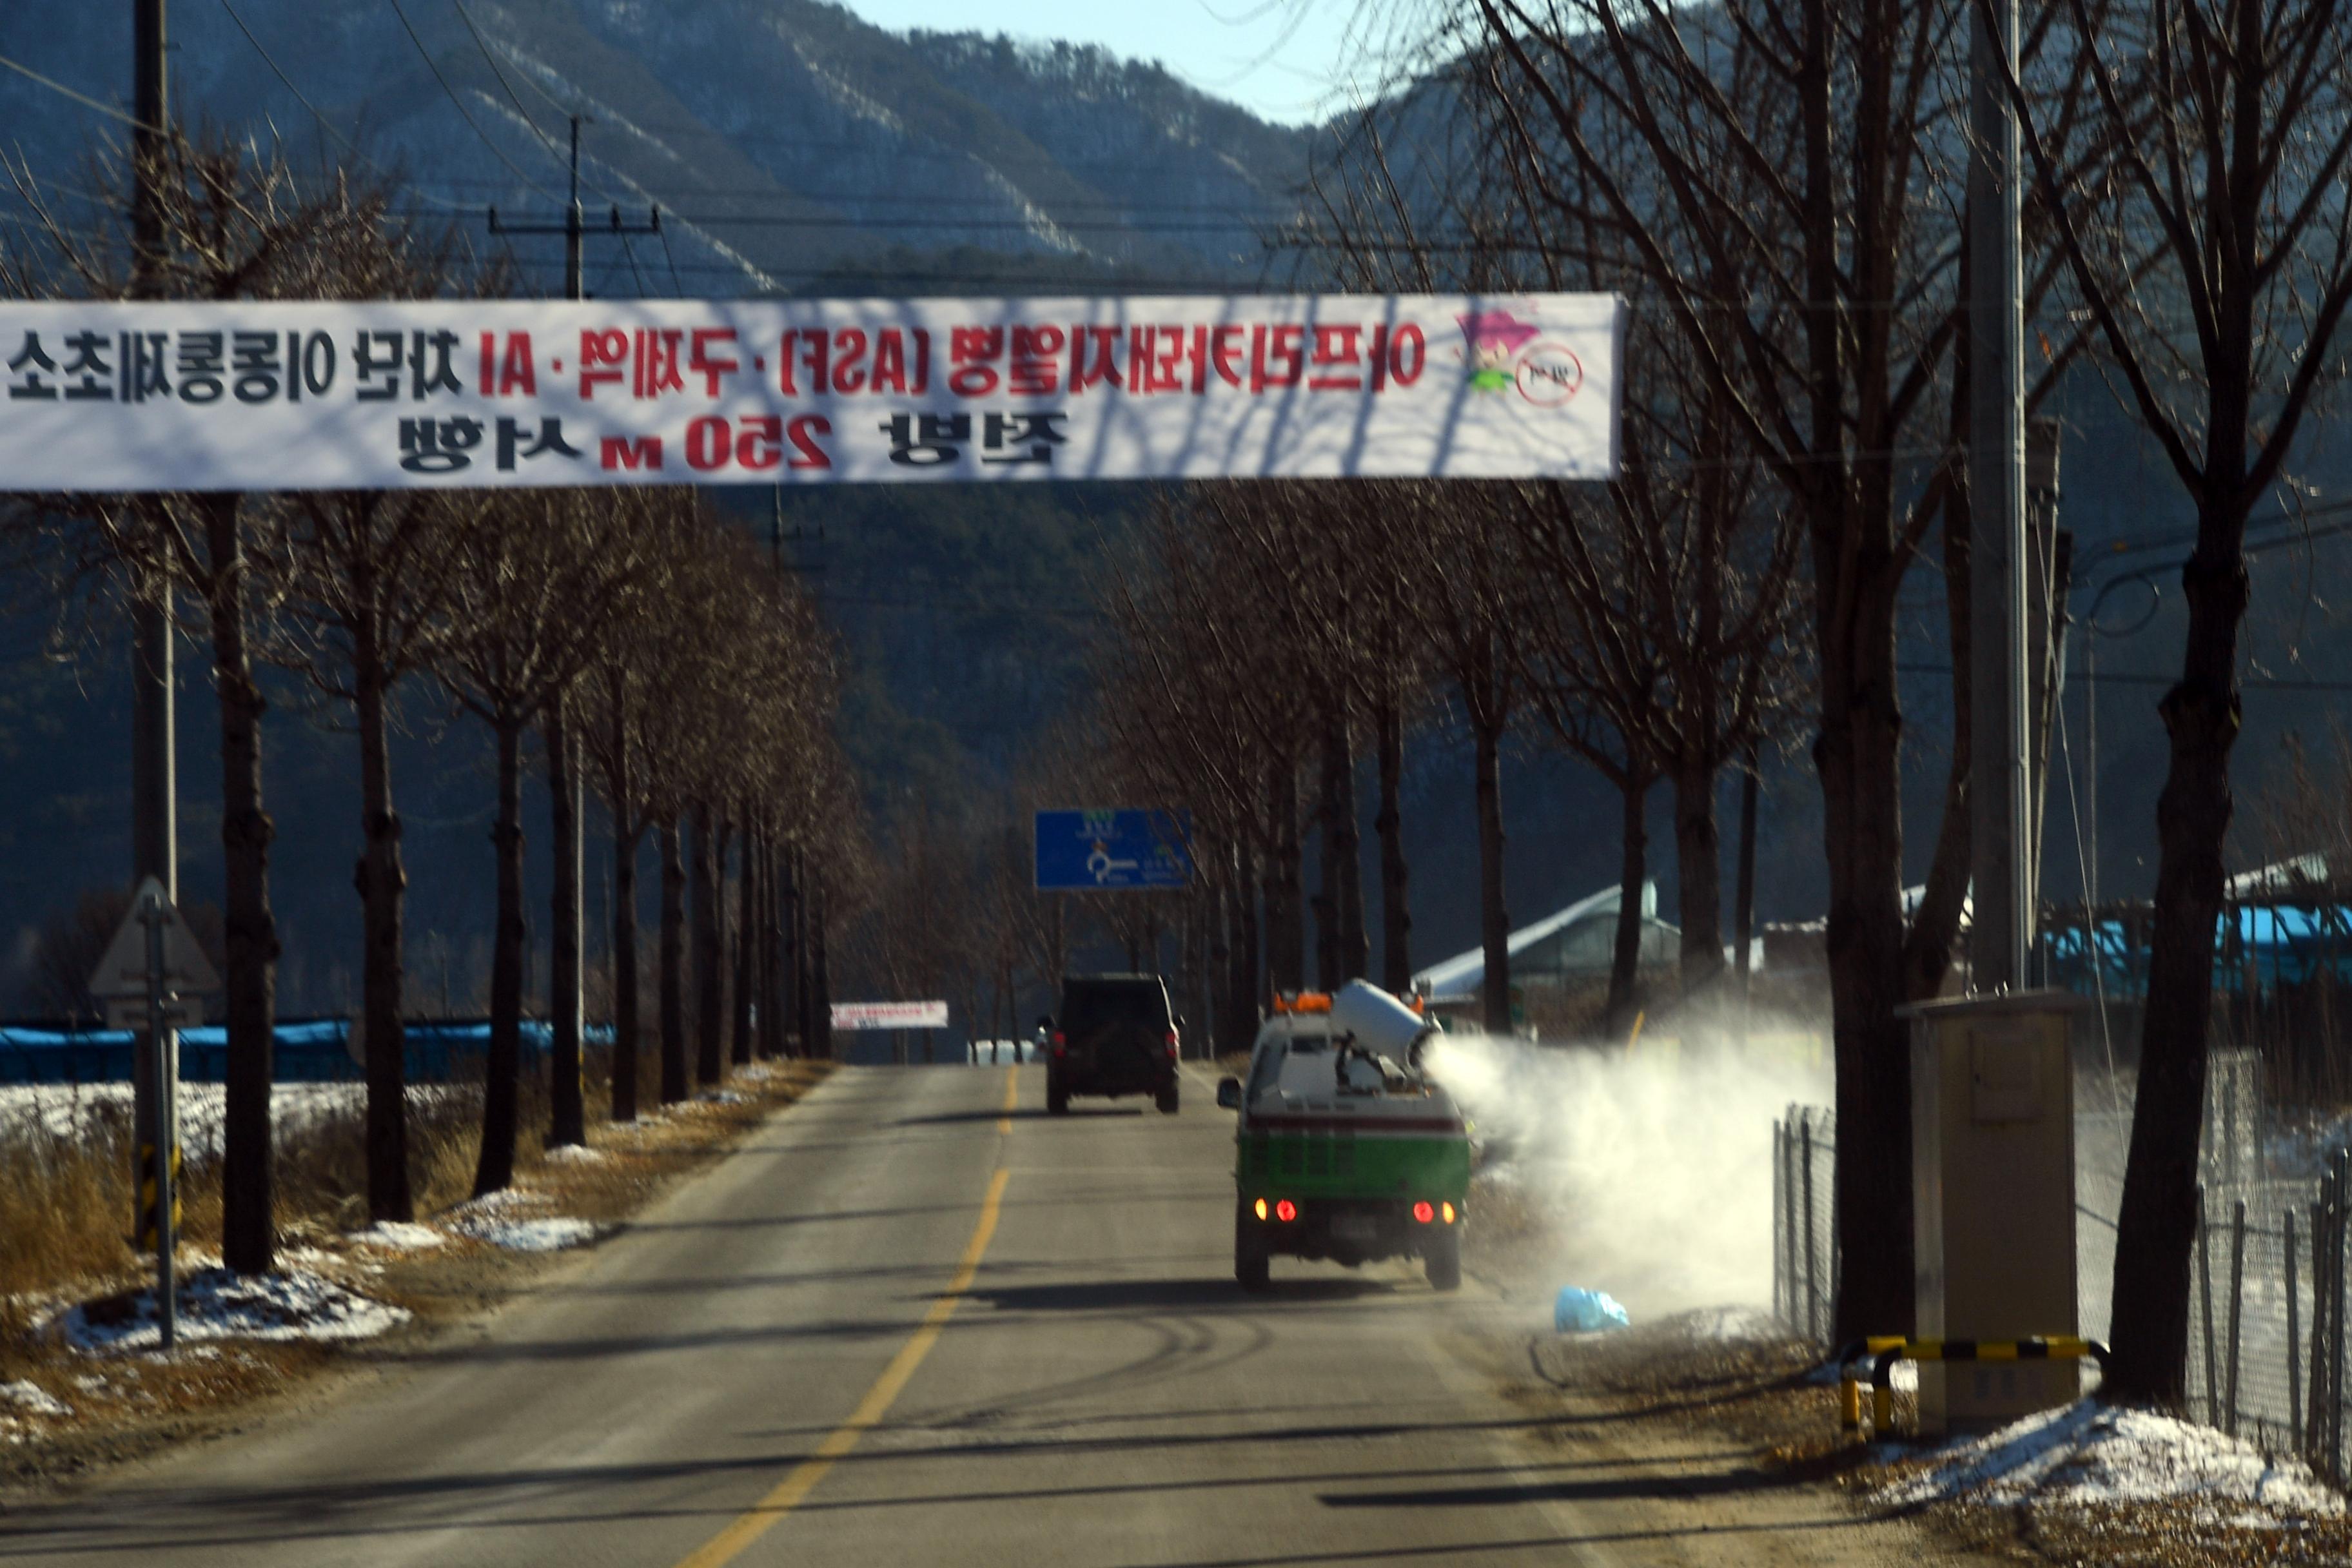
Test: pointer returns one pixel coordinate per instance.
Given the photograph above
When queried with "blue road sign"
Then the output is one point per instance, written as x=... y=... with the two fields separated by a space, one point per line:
x=1090 y=851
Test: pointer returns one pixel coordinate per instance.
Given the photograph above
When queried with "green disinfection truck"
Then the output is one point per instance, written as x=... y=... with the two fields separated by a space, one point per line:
x=1345 y=1149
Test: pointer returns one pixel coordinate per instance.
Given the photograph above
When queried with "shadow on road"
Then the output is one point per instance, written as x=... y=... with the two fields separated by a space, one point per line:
x=1173 y=1295
x=1655 y=1487
x=1018 y=1113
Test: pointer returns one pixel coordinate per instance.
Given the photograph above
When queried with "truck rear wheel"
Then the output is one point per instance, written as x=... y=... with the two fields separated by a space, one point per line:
x=1166 y=1100
x=1057 y=1097
x=1250 y=1260
x=1442 y=1259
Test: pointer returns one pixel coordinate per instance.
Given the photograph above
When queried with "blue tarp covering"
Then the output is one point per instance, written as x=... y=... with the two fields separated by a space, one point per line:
x=308 y=1051
x=2273 y=945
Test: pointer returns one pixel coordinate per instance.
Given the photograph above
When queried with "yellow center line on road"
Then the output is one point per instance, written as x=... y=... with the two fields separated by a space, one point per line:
x=1012 y=1097
x=789 y=1494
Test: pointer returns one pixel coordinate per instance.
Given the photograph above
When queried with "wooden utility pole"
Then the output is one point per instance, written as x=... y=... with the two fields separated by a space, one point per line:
x=568 y=773
x=154 y=781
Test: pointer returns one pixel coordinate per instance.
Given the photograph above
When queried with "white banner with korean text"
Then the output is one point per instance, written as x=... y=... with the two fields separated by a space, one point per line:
x=889 y=1015
x=306 y=396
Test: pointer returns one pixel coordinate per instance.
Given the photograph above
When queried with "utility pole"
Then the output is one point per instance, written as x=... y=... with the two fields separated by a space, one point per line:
x=154 y=785
x=2001 y=917
x=571 y=946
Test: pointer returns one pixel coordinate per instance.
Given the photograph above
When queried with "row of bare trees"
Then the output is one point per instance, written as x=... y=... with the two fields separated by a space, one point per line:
x=627 y=639
x=1781 y=187
x=1264 y=630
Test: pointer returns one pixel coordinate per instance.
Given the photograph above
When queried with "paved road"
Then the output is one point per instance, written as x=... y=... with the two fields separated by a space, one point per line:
x=765 y=1370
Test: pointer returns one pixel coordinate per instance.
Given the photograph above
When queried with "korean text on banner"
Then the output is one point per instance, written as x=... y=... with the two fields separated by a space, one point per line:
x=312 y=395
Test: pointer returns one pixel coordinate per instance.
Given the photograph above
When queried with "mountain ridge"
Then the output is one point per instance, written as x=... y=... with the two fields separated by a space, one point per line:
x=784 y=139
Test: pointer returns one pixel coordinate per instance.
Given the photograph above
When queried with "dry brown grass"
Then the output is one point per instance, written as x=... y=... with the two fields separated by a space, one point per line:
x=65 y=1214
x=65 y=1191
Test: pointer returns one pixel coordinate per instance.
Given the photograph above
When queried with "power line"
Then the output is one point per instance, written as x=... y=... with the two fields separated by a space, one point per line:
x=631 y=252
x=324 y=123
x=490 y=61
x=2147 y=677
x=458 y=103
x=675 y=286
x=83 y=98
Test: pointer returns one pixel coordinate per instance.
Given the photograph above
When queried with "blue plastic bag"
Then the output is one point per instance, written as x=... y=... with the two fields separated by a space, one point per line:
x=1576 y=1311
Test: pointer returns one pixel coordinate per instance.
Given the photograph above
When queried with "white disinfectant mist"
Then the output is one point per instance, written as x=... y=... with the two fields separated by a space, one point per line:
x=1653 y=1164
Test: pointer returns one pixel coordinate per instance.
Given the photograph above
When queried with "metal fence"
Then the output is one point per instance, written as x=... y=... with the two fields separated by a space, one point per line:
x=1805 y=1252
x=2269 y=1283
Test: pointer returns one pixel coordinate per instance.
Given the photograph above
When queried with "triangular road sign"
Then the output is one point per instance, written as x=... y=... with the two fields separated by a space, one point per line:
x=123 y=971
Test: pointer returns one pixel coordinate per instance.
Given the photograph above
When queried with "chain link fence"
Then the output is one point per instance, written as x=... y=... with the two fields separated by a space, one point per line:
x=1805 y=1252
x=2268 y=1281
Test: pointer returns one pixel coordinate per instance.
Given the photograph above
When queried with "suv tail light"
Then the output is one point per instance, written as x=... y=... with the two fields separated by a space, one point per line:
x=1061 y=1044
x=1172 y=1042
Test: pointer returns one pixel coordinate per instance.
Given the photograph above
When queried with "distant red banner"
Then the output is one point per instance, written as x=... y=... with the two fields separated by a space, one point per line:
x=889 y=1015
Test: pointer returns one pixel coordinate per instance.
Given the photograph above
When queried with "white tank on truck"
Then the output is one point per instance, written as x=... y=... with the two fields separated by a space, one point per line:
x=1380 y=1024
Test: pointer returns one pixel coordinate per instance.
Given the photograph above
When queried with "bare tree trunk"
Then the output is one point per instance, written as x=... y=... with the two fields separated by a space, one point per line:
x=1935 y=924
x=383 y=884
x=1396 y=907
x=1633 y=872
x=567 y=1117
x=796 y=955
x=248 y=1232
x=770 y=960
x=1347 y=846
x=1858 y=755
x=2156 y=1229
x=1329 y=763
x=747 y=940
x=1286 y=919
x=1698 y=870
x=703 y=867
x=627 y=1022
x=673 y=967
x=820 y=973
x=494 y=1169
x=1743 y=902
x=1247 y=992
x=1217 y=964
x=1494 y=915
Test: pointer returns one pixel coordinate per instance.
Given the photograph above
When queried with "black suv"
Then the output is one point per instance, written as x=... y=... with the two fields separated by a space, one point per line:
x=1116 y=1036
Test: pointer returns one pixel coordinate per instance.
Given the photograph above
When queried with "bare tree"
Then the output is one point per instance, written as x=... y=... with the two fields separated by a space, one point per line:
x=233 y=224
x=536 y=581
x=2233 y=118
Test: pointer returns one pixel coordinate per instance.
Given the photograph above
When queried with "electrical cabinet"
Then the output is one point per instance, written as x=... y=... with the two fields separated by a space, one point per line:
x=1992 y=1128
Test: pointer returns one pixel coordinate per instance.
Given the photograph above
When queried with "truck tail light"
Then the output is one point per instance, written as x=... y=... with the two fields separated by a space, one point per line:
x=1261 y=1209
x=1284 y=1210
x=1423 y=1213
x=1446 y=1211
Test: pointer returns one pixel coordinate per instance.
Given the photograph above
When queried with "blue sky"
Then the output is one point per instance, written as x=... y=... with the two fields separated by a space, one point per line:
x=1286 y=60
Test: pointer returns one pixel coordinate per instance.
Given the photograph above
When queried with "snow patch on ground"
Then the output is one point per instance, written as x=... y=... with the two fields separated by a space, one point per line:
x=215 y=1304
x=506 y=1200
x=33 y=1399
x=2089 y=1453
x=723 y=1097
x=84 y=1110
x=555 y=1235
x=399 y=1235
x=575 y=1155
